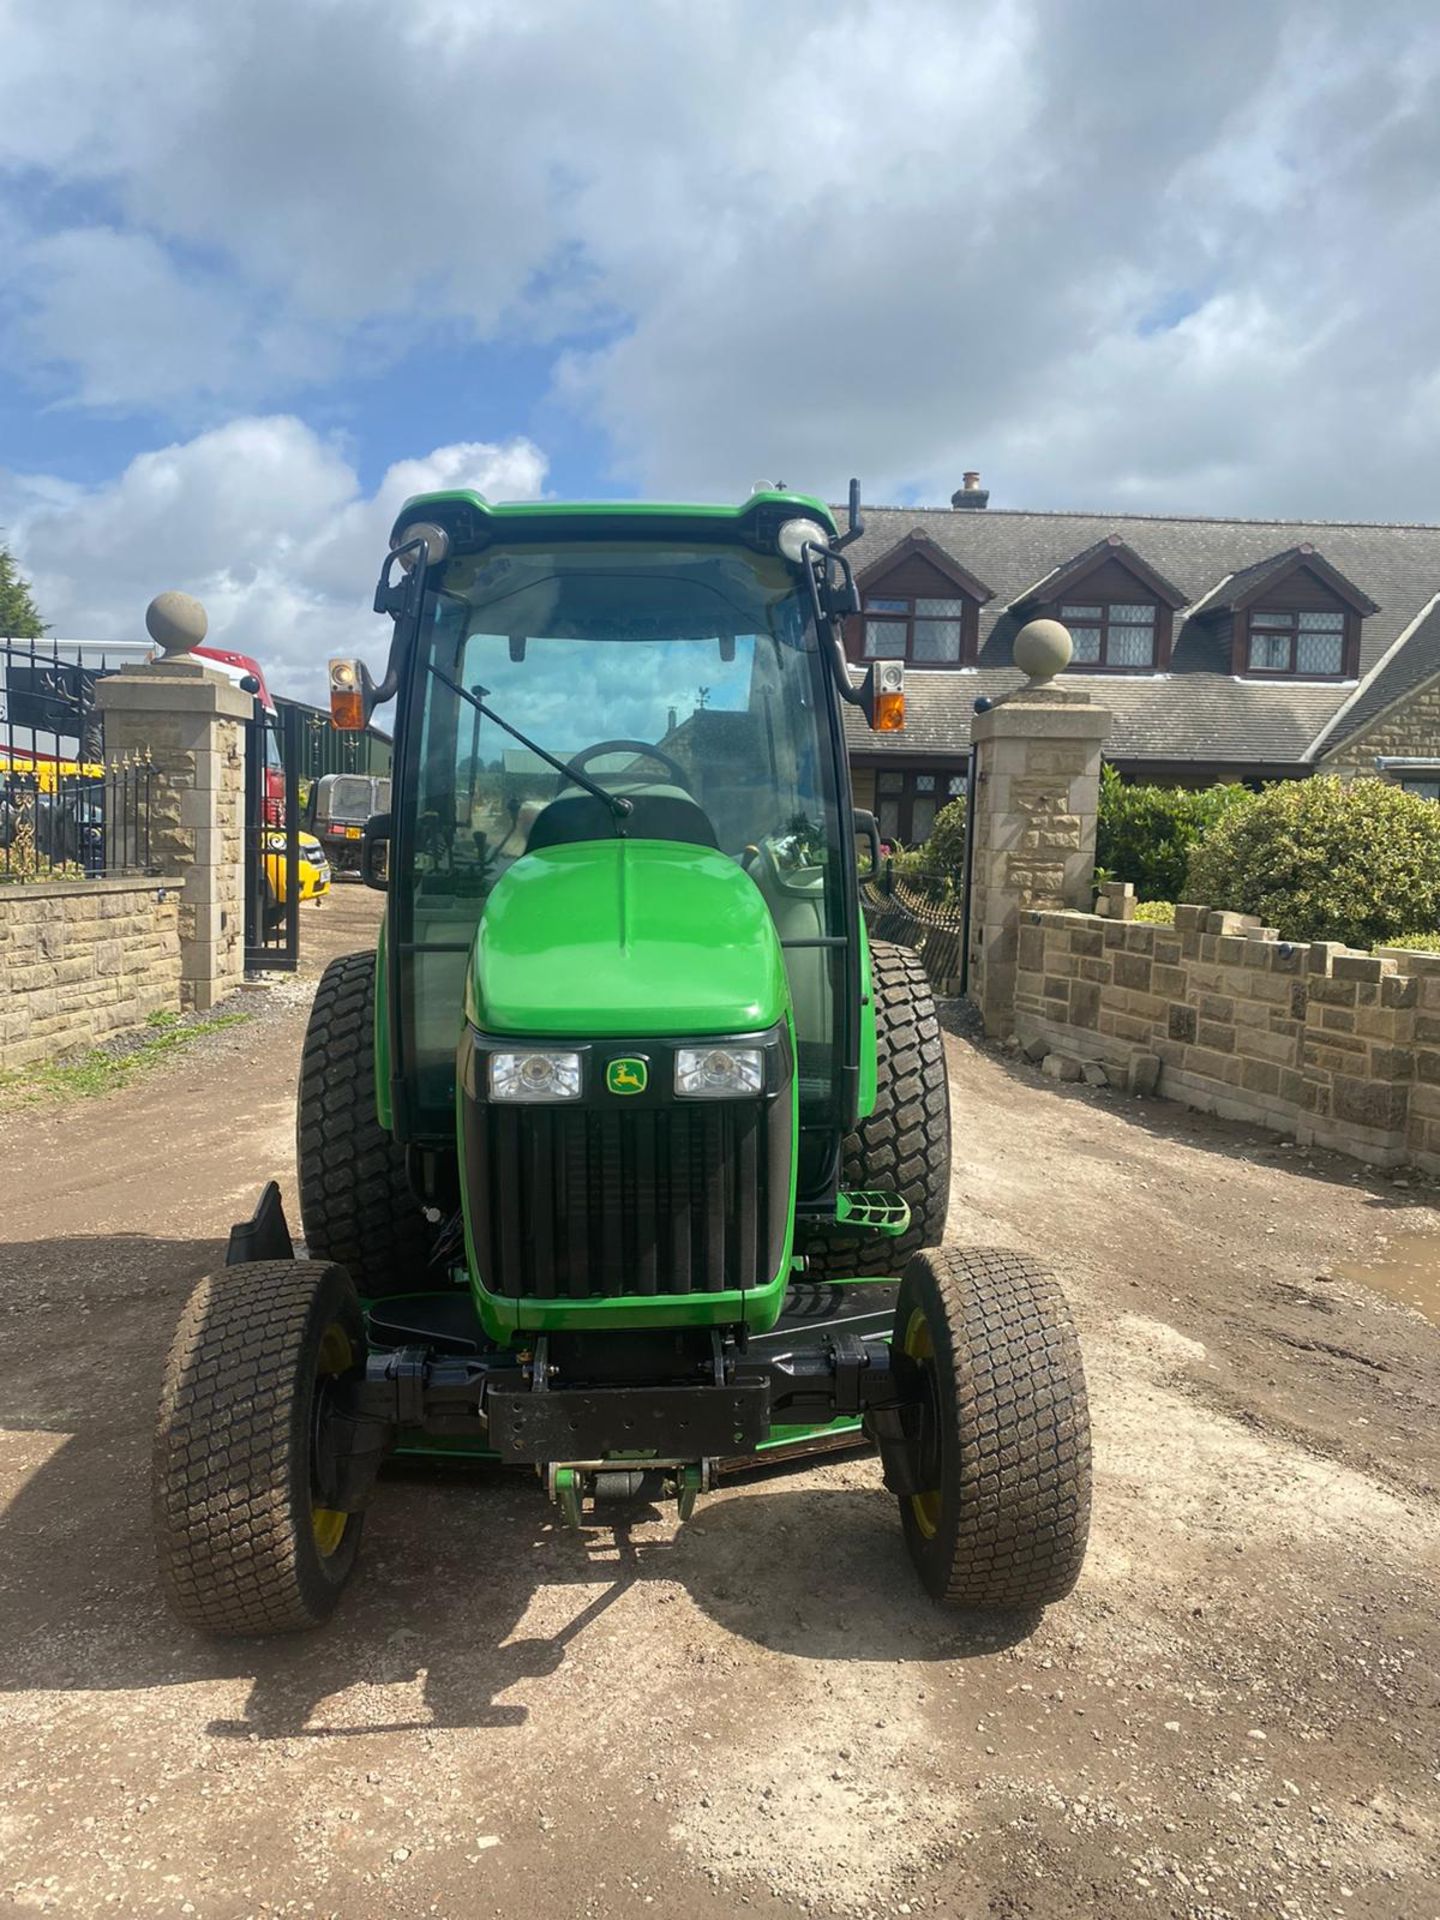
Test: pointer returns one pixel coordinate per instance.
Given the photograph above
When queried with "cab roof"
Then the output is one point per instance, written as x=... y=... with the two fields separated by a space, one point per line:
x=473 y=523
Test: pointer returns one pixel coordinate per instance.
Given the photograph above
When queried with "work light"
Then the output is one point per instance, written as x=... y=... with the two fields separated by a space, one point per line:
x=796 y=535
x=719 y=1073
x=437 y=543
x=534 y=1075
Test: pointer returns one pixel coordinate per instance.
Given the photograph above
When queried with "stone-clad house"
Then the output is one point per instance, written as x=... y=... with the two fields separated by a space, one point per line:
x=1225 y=649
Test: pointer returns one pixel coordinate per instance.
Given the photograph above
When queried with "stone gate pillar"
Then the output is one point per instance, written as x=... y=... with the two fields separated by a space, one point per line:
x=1036 y=795
x=188 y=719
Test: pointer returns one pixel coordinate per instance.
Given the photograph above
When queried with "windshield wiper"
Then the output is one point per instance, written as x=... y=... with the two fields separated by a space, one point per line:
x=620 y=807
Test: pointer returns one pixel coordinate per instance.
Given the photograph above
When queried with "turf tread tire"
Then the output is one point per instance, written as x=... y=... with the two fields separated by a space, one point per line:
x=356 y=1202
x=1014 y=1431
x=904 y=1144
x=231 y=1481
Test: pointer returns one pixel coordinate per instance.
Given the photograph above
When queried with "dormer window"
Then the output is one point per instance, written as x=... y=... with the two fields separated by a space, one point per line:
x=918 y=604
x=1292 y=616
x=1120 y=611
x=1309 y=643
x=1112 y=633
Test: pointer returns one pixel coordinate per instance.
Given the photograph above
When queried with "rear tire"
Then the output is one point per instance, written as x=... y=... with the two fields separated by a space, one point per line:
x=356 y=1203
x=244 y=1539
x=904 y=1145
x=1004 y=1442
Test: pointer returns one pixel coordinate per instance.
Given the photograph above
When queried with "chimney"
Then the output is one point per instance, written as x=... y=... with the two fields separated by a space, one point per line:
x=971 y=494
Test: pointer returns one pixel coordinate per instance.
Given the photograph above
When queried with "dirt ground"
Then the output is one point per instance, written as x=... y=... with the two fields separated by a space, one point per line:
x=1236 y=1714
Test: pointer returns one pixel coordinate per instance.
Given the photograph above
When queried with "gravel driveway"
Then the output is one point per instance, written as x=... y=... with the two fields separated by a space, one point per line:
x=1235 y=1715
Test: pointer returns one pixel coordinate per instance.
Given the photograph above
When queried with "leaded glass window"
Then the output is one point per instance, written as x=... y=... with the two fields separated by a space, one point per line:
x=1311 y=642
x=1269 y=652
x=1117 y=633
x=930 y=629
x=937 y=629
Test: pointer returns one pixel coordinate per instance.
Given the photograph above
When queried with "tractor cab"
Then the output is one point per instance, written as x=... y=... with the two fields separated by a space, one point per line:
x=603 y=734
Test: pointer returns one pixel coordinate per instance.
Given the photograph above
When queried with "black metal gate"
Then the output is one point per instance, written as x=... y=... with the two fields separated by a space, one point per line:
x=272 y=841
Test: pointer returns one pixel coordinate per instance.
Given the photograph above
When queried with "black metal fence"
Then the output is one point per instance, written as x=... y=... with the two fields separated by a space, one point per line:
x=65 y=814
x=76 y=829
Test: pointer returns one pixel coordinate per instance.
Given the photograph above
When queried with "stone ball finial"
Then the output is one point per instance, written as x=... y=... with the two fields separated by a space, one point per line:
x=1043 y=648
x=176 y=622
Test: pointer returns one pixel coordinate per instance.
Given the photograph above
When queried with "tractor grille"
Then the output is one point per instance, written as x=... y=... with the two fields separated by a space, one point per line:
x=579 y=1203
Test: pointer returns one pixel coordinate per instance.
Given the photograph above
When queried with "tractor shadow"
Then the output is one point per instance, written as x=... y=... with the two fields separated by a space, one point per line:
x=458 y=1565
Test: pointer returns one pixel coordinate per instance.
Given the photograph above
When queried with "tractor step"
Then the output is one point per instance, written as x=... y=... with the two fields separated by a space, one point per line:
x=872 y=1211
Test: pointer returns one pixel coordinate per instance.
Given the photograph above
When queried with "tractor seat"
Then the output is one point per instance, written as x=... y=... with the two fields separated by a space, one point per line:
x=670 y=815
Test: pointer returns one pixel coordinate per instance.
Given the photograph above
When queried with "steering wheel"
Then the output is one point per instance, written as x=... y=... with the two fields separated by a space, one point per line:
x=580 y=760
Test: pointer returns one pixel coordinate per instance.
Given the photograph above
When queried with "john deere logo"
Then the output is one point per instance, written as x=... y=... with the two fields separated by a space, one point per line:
x=626 y=1076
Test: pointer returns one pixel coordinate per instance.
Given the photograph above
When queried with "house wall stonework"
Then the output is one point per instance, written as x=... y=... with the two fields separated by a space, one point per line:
x=83 y=961
x=1409 y=731
x=1339 y=1048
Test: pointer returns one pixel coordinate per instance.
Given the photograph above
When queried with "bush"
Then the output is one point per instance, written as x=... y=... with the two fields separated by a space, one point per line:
x=1155 y=913
x=939 y=864
x=1145 y=834
x=944 y=851
x=1325 y=860
x=1415 y=942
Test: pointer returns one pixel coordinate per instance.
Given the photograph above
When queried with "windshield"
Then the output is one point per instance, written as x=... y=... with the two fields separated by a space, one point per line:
x=687 y=680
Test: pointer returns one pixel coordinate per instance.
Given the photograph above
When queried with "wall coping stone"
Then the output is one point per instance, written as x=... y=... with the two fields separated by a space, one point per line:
x=173 y=686
x=1045 y=718
x=1410 y=962
x=70 y=889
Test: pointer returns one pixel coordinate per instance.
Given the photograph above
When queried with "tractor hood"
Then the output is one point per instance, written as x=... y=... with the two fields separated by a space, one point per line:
x=626 y=937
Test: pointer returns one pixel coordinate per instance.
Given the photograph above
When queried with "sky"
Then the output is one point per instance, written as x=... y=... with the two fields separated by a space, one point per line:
x=267 y=268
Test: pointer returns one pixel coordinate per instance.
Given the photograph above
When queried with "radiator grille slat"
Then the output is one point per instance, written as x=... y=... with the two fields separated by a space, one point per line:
x=583 y=1204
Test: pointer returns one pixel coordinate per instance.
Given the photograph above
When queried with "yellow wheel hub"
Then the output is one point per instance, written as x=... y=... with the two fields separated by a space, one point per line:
x=920 y=1345
x=336 y=1356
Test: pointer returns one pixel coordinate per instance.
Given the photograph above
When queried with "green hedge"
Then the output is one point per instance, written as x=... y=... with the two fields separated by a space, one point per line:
x=1145 y=834
x=942 y=856
x=1415 y=942
x=1325 y=859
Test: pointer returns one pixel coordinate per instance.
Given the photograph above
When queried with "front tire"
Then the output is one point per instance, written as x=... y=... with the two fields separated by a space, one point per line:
x=245 y=1539
x=1003 y=1449
x=356 y=1202
x=903 y=1146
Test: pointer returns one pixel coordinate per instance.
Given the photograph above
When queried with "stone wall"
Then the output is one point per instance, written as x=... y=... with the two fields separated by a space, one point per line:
x=1338 y=1048
x=82 y=961
x=1409 y=731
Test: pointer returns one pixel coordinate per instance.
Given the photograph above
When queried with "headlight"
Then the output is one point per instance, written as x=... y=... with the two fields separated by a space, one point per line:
x=719 y=1073
x=796 y=535
x=534 y=1075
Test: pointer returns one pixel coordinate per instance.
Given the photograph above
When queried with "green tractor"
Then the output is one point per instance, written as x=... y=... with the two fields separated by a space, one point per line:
x=625 y=1157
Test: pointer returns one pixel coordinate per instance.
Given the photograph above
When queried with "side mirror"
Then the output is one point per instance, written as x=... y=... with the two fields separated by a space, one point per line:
x=839 y=595
x=375 y=853
x=869 y=826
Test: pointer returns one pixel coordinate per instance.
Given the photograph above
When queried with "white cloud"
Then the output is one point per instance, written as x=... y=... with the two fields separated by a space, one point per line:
x=1108 y=251
x=261 y=519
x=139 y=330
